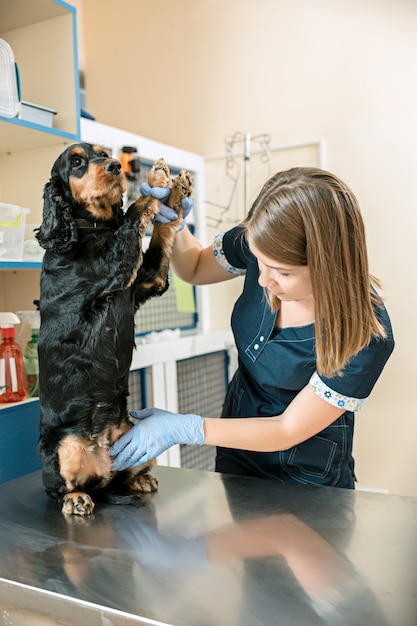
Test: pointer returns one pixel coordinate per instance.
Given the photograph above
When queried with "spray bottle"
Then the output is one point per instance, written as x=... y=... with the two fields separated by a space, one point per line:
x=13 y=379
x=30 y=355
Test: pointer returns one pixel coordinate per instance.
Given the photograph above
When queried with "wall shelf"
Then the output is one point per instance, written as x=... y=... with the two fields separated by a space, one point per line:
x=43 y=38
x=18 y=135
x=20 y=265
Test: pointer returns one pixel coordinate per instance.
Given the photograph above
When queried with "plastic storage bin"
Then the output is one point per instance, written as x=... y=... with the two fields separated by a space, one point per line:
x=9 y=99
x=12 y=231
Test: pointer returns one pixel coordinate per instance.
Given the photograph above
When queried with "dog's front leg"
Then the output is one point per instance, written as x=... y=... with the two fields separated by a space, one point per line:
x=153 y=275
x=127 y=249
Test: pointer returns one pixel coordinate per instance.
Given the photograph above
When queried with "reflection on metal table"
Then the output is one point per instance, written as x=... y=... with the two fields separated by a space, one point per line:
x=210 y=549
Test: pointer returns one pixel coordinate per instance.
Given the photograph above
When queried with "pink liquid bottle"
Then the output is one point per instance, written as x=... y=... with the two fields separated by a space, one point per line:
x=13 y=379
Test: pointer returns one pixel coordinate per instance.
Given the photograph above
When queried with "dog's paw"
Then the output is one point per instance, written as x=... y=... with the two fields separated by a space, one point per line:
x=77 y=503
x=182 y=187
x=159 y=176
x=144 y=483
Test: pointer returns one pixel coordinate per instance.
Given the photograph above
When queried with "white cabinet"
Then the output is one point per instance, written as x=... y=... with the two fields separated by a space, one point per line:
x=42 y=35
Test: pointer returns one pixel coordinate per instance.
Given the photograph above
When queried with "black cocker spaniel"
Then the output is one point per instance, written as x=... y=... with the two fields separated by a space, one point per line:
x=94 y=278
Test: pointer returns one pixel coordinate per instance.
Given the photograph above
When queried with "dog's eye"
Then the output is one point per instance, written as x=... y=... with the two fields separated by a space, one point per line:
x=76 y=161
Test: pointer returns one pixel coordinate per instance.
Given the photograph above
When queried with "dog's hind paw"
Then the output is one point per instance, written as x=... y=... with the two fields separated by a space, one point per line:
x=143 y=483
x=77 y=503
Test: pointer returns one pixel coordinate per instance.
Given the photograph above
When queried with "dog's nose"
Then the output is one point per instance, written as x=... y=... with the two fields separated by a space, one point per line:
x=114 y=167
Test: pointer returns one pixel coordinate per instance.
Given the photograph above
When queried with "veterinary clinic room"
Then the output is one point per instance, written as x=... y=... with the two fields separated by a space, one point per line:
x=208 y=235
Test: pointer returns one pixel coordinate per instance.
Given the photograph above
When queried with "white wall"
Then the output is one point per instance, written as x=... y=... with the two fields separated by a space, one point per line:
x=191 y=72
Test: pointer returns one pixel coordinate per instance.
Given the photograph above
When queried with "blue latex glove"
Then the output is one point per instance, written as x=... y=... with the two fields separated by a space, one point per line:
x=160 y=193
x=157 y=431
x=166 y=214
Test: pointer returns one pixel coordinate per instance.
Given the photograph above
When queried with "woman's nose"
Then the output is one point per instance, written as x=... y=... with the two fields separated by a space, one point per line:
x=265 y=279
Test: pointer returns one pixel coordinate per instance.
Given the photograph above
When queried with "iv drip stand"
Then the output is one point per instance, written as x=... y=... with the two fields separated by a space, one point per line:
x=246 y=161
x=246 y=139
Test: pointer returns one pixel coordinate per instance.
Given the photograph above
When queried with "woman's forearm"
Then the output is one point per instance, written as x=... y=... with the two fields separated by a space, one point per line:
x=195 y=264
x=261 y=434
x=185 y=255
x=305 y=416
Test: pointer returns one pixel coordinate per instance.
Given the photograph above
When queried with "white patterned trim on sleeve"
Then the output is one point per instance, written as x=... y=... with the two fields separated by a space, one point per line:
x=333 y=397
x=220 y=257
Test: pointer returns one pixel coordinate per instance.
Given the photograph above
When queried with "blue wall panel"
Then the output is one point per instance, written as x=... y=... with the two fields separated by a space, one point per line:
x=19 y=432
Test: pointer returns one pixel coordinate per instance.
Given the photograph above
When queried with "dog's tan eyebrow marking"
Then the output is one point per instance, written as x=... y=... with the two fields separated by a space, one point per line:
x=78 y=150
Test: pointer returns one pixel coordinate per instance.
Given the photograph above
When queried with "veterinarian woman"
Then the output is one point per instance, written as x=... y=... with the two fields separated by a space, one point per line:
x=312 y=336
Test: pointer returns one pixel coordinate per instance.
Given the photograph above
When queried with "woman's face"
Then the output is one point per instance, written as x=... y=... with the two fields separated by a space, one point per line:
x=286 y=282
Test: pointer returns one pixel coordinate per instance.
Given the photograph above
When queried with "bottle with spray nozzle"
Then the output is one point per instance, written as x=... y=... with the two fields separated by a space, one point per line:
x=13 y=379
x=30 y=355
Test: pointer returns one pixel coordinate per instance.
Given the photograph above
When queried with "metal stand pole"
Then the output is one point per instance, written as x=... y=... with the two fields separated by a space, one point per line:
x=246 y=139
x=246 y=158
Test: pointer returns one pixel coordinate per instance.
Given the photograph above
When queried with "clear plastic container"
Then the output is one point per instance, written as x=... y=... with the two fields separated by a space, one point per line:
x=12 y=231
x=9 y=98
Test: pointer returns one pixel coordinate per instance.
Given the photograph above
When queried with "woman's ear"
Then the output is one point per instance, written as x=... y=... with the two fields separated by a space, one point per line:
x=58 y=231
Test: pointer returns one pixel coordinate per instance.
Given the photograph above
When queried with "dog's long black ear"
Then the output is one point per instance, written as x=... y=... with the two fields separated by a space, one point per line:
x=58 y=231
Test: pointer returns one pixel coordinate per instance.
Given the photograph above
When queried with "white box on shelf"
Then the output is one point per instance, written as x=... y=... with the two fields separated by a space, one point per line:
x=37 y=114
x=12 y=231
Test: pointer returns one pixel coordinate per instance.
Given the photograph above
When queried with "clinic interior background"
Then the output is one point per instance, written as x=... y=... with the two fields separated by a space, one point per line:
x=332 y=83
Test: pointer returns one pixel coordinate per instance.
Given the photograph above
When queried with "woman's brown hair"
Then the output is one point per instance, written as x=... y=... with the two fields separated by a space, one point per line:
x=307 y=216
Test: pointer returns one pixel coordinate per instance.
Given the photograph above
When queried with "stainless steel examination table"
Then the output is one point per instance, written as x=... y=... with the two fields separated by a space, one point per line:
x=210 y=549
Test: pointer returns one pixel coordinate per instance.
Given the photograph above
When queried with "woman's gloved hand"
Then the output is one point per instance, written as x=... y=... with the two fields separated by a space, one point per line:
x=160 y=193
x=166 y=214
x=156 y=431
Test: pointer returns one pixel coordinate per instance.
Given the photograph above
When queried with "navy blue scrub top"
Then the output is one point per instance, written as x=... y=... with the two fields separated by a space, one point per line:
x=274 y=365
